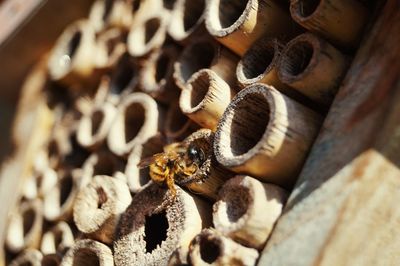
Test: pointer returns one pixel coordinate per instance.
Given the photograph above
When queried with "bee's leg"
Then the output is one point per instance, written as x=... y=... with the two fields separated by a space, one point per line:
x=171 y=184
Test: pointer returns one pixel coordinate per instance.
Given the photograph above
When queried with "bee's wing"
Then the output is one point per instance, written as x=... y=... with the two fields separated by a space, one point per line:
x=145 y=162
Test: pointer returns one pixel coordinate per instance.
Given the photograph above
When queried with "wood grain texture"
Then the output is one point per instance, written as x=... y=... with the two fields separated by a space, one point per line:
x=344 y=206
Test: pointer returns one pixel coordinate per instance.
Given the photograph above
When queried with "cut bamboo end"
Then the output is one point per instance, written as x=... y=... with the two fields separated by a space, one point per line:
x=99 y=205
x=138 y=119
x=108 y=13
x=238 y=24
x=58 y=202
x=51 y=260
x=156 y=74
x=177 y=125
x=139 y=178
x=155 y=225
x=39 y=184
x=210 y=176
x=25 y=226
x=312 y=66
x=74 y=57
x=187 y=18
x=246 y=210
x=341 y=22
x=111 y=43
x=205 y=98
x=147 y=35
x=204 y=53
x=88 y=252
x=274 y=149
x=94 y=126
x=57 y=240
x=102 y=163
x=211 y=248
x=179 y=257
x=31 y=257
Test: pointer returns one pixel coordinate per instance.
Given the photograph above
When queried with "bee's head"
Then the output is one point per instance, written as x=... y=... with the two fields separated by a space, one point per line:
x=196 y=154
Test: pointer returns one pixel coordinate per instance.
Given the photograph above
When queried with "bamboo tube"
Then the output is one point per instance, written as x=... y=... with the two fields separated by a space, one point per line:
x=312 y=66
x=211 y=248
x=265 y=143
x=139 y=178
x=138 y=119
x=147 y=35
x=156 y=74
x=51 y=260
x=31 y=257
x=57 y=240
x=88 y=252
x=99 y=205
x=110 y=13
x=144 y=9
x=75 y=56
x=203 y=53
x=154 y=225
x=211 y=175
x=58 y=202
x=187 y=19
x=205 y=98
x=39 y=184
x=341 y=22
x=94 y=126
x=102 y=163
x=179 y=257
x=177 y=125
x=246 y=210
x=238 y=24
x=25 y=226
x=112 y=43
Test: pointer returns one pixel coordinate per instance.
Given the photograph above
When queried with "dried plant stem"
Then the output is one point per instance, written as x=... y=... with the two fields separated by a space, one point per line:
x=57 y=240
x=88 y=252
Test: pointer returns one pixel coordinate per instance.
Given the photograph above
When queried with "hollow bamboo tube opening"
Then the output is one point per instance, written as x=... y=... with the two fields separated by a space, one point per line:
x=138 y=119
x=29 y=257
x=109 y=13
x=94 y=126
x=58 y=202
x=211 y=248
x=39 y=184
x=205 y=98
x=88 y=252
x=139 y=178
x=342 y=22
x=51 y=260
x=154 y=225
x=57 y=240
x=156 y=74
x=201 y=54
x=73 y=58
x=99 y=205
x=246 y=210
x=25 y=226
x=274 y=149
x=312 y=66
x=147 y=35
x=238 y=24
x=186 y=18
x=177 y=125
x=112 y=44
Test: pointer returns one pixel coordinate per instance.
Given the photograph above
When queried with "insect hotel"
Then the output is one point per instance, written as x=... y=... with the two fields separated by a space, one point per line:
x=200 y=132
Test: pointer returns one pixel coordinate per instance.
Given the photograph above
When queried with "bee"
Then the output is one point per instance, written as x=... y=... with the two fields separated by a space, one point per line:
x=177 y=164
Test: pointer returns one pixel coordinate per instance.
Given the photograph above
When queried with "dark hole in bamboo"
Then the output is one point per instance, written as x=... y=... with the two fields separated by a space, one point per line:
x=53 y=149
x=58 y=237
x=200 y=55
x=49 y=261
x=162 y=65
x=65 y=186
x=27 y=264
x=136 y=5
x=123 y=76
x=97 y=119
x=237 y=204
x=169 y=4
x=134 y=120
x=156 y=227
x=199 y=89
x=73 y=44
x=177 y=120
x=297 y=58
x=193 y=11
x=151 y=28
x=101 y=197
x=28 y=218
x=85 y=257
x=230 y=11
x=77 y=155
x=257 y=60
x=104 y=166
x=252 y=112
x=307 y=7
x=107 y=8
x=209 y=250
x=144 y=176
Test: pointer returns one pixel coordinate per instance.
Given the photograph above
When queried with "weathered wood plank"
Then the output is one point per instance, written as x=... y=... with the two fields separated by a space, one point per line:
x=344 y=208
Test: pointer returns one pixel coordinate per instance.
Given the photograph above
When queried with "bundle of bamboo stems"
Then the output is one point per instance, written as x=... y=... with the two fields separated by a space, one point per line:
x=242 y=86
